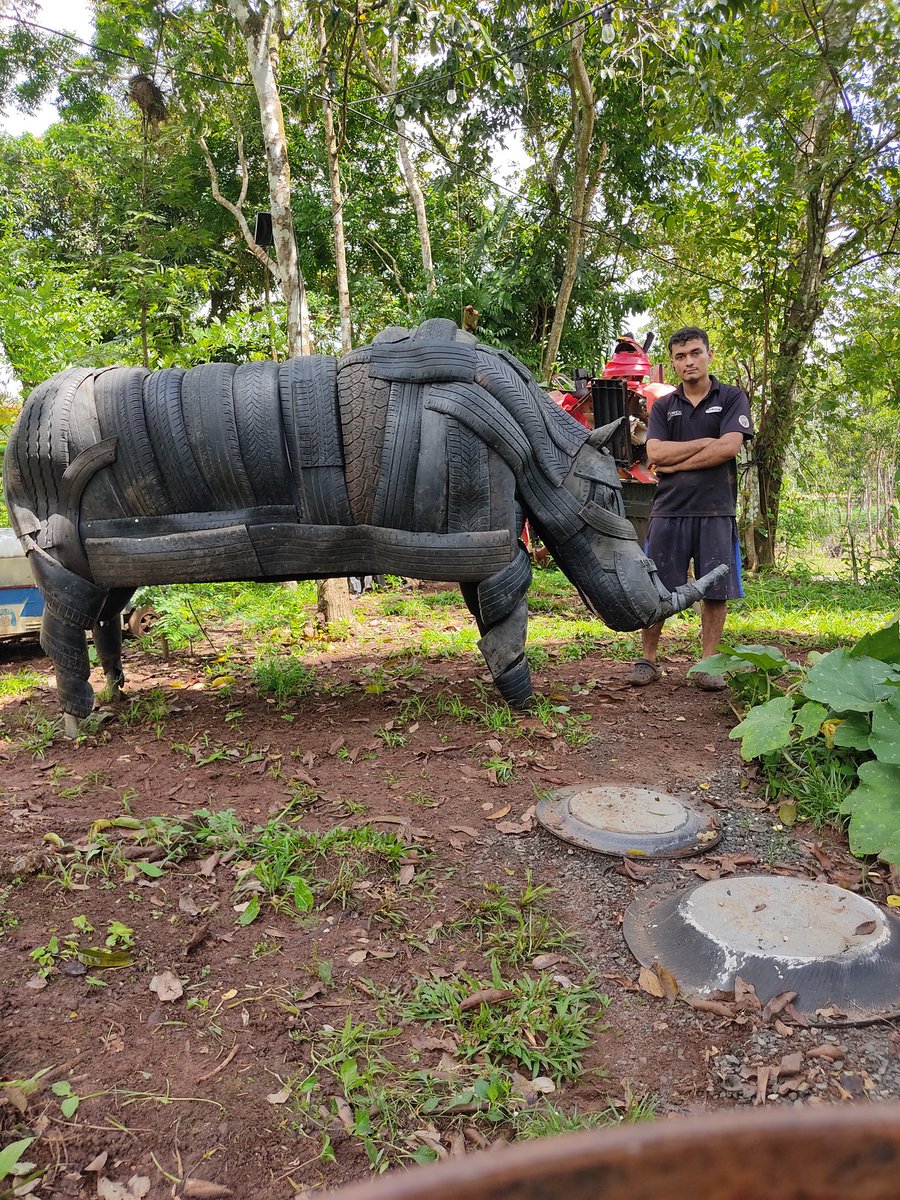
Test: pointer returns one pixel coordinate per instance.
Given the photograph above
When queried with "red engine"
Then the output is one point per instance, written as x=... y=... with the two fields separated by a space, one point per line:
x=626 y=388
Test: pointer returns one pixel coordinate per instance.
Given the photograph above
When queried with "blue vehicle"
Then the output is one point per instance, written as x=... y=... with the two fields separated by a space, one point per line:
x=21 y=604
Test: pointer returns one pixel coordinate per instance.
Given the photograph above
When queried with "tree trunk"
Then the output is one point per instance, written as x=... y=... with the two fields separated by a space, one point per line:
x=817 y=180
x=262 y=31
x=388 y=86
x=417 y=197
x=334 y=602
x=337 y=201
x=583 y=190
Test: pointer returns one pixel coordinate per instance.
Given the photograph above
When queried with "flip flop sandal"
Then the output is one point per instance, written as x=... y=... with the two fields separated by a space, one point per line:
x=709 y=683
x=643 y=673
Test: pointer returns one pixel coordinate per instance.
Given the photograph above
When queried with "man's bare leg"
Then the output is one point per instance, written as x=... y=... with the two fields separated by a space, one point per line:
x=645 y=670
x=712 y=623
x=650 y=640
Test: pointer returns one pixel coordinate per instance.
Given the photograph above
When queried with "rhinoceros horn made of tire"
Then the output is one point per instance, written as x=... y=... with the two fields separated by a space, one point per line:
x=419 y=455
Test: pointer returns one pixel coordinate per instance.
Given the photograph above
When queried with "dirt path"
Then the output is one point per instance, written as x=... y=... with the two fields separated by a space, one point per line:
x=245 y=1076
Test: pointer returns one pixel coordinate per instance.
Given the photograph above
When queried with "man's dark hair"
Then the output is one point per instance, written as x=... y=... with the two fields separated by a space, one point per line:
x=687 y=334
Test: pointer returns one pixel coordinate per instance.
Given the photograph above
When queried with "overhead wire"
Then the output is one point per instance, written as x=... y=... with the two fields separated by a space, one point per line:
x=455 y=164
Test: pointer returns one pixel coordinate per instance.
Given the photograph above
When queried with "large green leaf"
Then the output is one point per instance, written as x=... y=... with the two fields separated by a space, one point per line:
x=717 y=664
x=853 y=732
x=11 y=1155
x=809 y=718
x=885 y=739
x=766 y=727
x=848 y=684
x=767 y=658
x=884 y=644
x=874 y=809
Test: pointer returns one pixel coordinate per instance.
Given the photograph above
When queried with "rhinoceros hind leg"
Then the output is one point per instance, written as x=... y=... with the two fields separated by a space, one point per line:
x=108 y=640
x=499 y=606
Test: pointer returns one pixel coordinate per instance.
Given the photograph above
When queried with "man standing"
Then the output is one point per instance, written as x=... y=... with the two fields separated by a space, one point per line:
x=693 y=438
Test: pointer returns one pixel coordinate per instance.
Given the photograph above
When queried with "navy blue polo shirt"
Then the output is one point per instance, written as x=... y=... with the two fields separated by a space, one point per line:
x=709 y=491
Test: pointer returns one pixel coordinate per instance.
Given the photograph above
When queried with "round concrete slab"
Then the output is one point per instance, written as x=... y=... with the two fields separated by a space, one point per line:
x=628 y=821
x=838 y=951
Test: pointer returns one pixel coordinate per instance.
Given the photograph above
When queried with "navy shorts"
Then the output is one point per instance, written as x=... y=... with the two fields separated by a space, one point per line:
x=674 y=542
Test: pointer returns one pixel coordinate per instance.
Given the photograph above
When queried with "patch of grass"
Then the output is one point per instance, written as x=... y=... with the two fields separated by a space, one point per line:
x=398 y=1111
x=541 y=1026
x=822 y=612
x=37 y=733
x=515 y=929
x=152 y=708
x=547 y=1121
x=501 y=767
x=814 y=777
x=183 y=608
x=284 y=677
x=18 y=683
x=392 y=737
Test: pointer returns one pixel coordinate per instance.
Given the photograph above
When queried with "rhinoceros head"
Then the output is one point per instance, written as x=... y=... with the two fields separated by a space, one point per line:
x=600 y=552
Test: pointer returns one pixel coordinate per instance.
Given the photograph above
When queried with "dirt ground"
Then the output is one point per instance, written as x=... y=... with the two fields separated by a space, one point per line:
x=200 y=1084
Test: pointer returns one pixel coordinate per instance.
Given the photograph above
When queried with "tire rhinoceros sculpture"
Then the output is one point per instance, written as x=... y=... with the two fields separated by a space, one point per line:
x=420 y=455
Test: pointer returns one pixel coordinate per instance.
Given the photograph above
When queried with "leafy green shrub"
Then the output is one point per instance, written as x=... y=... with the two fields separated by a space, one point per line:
x=839 y=715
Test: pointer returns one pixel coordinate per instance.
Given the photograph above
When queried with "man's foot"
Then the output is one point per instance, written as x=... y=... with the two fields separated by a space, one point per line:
x=643 y=672
x=709 y=683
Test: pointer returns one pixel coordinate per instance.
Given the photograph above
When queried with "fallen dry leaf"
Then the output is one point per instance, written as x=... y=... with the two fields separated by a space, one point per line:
x=167 y=986
x=203 y=1189
x=357 y=957
x=628 y=984
x=651 y=983
x=281 y=1097
x=485 y=996
x=406 y=874
x=865 y=927
x=831 y=1013
x=721 y=1008
x=634 y=870
x=777 y=1004
x=188 y=905
x=745 y=996
x=542 y=961
x=791 y=1064
x=703 y=870
x=137 y=1187
x=827 y=1050
x=501 y=812
x=98 y=1163
x=762 y=1085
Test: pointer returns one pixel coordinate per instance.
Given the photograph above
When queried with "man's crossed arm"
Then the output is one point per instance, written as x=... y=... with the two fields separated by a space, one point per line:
x=668 y=457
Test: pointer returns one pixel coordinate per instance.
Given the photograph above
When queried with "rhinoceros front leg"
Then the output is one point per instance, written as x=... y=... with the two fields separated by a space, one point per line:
x=107 y=634
x=501 y=610
x=66 y=645
x=72 y=605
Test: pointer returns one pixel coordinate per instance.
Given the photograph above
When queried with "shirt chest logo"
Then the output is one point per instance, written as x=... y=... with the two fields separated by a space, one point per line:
x=674 y=412
x=714 y=408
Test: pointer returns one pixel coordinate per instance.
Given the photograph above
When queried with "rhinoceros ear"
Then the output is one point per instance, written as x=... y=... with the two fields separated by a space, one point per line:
x=604 y=433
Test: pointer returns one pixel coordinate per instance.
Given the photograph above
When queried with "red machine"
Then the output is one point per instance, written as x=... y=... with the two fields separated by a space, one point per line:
x=627 y=387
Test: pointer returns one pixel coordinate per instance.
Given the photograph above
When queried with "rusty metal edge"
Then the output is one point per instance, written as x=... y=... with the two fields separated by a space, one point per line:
x=810 y=1154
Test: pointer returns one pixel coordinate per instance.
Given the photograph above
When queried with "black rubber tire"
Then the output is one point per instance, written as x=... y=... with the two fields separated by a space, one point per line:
x=207 y=402
x=364 y=406
x=257 y=410
x=171 y=444
x=140 y=621
x=119 y=397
